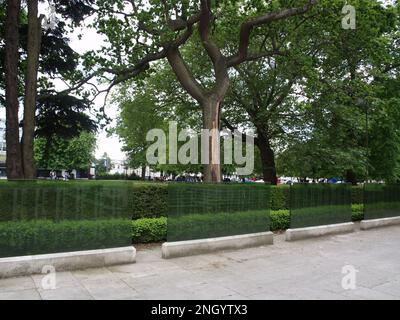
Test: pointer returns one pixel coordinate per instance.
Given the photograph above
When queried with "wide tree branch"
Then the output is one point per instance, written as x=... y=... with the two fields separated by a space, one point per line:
x=248 y=26
x=184 y=76
x=213 y=51
x=204 y=28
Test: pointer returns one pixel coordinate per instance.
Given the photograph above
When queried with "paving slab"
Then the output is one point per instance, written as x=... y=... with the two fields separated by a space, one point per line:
x=66 y=293
x=307 y=269
x=30 y=294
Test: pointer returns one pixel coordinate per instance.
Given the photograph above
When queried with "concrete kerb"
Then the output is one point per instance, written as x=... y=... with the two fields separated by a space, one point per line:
x=68 y=261
x=319 y=231
x=378 y=223
x=194 y=247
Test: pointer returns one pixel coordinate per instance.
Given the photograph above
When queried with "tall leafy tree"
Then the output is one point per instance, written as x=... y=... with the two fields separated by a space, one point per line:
x=76 y=153
x=139 y=114
x=39 y=54
x=345 y=99
x=140 y=32
x=14 y=165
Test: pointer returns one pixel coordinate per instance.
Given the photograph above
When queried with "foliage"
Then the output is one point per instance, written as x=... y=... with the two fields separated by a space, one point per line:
x=139 y=113
x=217 y=224
x=60 y=153
x=358 y=212
x=117 y=176
x=344 y=89
x=280 y=198
x=83 y=199
x=21 y=238
x=103 y=165
x=155 y=229
x=280 y=220
x=149 y=230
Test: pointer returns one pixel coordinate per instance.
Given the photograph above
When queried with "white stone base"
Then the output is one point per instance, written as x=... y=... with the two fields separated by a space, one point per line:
x=319 y=231
x=378 y=223
x=195 y=247
x=26 y=265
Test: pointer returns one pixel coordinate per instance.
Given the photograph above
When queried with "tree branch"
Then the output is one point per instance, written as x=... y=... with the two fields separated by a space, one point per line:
x=248 y=26
x=183 y=74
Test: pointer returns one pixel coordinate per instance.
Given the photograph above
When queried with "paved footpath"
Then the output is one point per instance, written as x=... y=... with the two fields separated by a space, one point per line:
x=310 y=269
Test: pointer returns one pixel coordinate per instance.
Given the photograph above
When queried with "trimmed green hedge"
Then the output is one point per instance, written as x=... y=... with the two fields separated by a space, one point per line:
x=149 y=230
x=357 y=195
x=45 y=236
x=55 y=200
x=280 y=220
x=54 y=216
x=358 y=212
x=103 y=199
x=280 y=198
x=150 y=201
x=155 y=230
x=218 y=224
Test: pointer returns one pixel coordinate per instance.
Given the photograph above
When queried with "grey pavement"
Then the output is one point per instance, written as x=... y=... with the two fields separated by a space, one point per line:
x=308 y=269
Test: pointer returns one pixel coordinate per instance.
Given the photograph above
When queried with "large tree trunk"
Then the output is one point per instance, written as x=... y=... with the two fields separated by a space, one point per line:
x=267 y=160
x=351 y=177
x=211 y=120
x=34 y=43
x=14 y=165
x=143 y=172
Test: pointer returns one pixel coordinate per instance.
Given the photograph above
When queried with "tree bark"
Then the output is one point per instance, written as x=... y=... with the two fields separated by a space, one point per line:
x=34 y=44
x=14 y=164
x=211 y=121
x=351 y=177
x=267 y=160
x=143 y=172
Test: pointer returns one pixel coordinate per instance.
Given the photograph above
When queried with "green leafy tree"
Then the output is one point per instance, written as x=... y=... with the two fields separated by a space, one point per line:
x=138 y=115
x=347 y=106
x=45 y=56
x=141 y=32
x=76 y=153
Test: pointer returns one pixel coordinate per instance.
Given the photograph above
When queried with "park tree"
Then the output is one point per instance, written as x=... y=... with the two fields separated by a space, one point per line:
x=75 y=153
x=346 y=103
x=11 y=40
x=139 y=32
x=263 y=97
x=139 y=113
x=269 y=90
x=152 y=104
x=33 y=58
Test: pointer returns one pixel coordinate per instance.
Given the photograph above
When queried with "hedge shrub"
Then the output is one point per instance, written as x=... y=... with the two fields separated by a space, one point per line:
x=280 y=198
x=155 y=230
x=53 y=216
x=357 y=195
x=18 y=238
x=216 y=224
x=46 y=236
x=149 y=230
x=150 y=201
x=358 y=212
x=280 y=220
x=103 y=199
x=55 y=200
